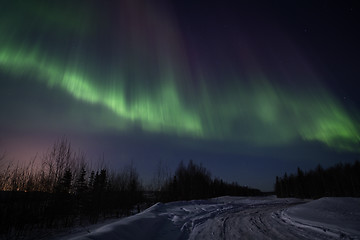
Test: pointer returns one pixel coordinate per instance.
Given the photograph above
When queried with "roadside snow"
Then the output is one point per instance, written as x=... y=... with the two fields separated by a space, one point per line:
x=238 y=217
x=336 y=216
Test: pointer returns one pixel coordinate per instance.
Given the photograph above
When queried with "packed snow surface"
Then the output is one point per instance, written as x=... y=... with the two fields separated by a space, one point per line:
x=238 y=218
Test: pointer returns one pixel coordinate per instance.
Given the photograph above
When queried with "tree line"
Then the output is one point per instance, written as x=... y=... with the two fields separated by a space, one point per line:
x=193 y=181
x=341 y=180
x=63 y=191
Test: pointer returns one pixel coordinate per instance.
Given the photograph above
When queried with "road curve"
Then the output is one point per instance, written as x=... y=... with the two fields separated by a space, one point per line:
x=236 y=218
x=256 y=222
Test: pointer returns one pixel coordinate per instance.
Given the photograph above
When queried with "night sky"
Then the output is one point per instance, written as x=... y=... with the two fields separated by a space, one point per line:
x=250 y=89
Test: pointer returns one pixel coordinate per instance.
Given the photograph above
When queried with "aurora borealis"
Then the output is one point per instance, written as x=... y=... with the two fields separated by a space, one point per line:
x=196 y=75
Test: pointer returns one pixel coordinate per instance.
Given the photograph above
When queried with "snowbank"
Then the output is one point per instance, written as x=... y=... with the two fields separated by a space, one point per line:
x=332 y=215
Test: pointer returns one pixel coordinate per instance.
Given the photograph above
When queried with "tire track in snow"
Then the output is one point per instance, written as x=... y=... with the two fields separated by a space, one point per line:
x=256 y=222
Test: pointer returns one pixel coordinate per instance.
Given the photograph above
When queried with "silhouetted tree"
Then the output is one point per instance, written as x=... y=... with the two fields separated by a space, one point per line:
x=64 y=185
x=80 y=183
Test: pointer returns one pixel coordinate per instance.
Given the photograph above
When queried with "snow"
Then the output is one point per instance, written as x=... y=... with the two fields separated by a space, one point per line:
x=238 y=217
x=332 y=215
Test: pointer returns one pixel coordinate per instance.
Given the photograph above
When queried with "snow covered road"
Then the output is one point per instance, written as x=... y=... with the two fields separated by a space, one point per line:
x=239 y=218
x=259 y=221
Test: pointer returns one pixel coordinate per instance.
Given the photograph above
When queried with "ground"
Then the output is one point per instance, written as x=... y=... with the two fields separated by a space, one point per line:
x=238 y=218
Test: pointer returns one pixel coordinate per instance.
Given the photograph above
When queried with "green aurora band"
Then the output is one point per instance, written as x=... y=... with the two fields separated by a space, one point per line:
x=254 y=110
